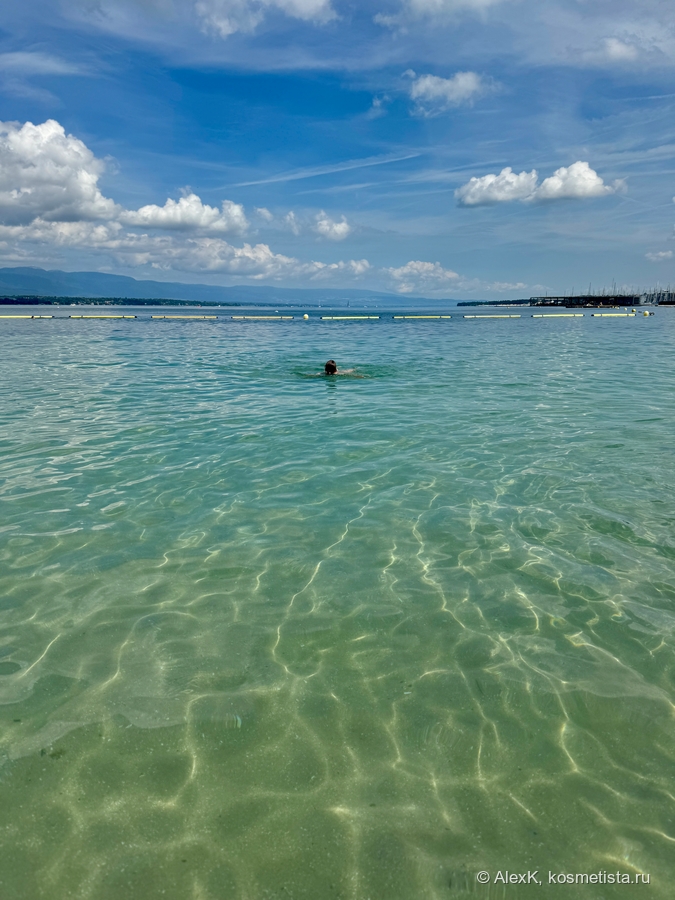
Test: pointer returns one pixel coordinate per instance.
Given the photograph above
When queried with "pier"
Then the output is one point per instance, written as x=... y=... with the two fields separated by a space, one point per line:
x=590 y=301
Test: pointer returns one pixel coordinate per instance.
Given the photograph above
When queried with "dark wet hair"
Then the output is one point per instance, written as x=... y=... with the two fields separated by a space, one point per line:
x=331 y=367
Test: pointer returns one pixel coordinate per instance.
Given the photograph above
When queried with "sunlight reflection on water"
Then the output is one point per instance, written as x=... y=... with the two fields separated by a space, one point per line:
x=270 y=636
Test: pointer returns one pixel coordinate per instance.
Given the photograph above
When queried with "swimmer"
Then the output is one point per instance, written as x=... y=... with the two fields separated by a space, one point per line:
x=331 y=369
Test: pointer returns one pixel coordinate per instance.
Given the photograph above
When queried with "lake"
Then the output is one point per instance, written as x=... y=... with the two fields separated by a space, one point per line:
x=267 y=635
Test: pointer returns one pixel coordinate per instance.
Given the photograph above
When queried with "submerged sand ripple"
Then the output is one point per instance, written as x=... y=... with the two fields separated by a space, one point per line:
x=265 y=637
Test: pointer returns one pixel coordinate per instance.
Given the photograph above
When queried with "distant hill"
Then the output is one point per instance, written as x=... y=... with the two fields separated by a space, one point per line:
x=22 y=281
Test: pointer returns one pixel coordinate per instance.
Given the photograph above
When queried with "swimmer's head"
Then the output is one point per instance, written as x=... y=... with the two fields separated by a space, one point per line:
x=330 y=368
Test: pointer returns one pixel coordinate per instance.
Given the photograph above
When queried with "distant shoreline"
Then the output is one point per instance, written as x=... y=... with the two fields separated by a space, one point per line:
x=28 y=300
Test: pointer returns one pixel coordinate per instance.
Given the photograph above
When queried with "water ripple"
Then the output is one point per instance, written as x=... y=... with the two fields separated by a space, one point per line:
x=268 y=636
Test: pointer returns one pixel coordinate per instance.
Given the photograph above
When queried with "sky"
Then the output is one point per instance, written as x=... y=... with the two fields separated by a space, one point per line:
x=440 y=148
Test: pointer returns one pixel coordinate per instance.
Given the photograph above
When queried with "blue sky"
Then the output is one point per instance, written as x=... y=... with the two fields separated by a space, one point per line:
x=448 y=148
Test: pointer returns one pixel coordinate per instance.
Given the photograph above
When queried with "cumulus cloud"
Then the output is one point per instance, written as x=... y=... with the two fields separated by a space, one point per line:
x=433 y=95
x=189 y=212
x=417 y=275
x=660 y=256
x=200 y=254
x=577 y=182
x=51 y=176
x=500 y=188
x=329 y=228
x=213 y=255
x=226 y=17
x=49 y=198
x=50 y=201
x=321 y=223
x=45 y=172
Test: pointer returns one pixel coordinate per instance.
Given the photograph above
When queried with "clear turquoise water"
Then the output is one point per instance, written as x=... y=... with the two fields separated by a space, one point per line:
x=270 y=636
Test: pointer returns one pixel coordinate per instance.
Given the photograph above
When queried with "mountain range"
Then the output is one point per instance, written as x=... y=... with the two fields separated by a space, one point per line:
x=27 y=281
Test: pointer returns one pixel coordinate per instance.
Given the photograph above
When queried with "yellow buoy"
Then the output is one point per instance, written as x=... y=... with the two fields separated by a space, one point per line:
x=305 y=316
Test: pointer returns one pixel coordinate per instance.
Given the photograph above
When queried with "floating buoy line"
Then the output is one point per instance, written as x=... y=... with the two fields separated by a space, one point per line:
x=356 y=318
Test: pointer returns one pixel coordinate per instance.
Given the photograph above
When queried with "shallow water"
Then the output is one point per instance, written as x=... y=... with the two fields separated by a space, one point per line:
x=269 y=636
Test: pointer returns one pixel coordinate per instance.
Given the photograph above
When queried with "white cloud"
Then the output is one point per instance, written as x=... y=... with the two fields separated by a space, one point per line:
x=619 y=51
x=568 y=32
x=661 y=256
x=45 y=172
x=226 y=17
x=49 y=198
x=616 y=51
x=50 y=176
x=359 y=266
x=352 y=267
x=417 y=275
x=506 y=286
x=189 y=212
x=378 y=107
x=215 y=255
x=433 y=94
x=308 y=10
x=292 y=222
x=50 y=202
x=500 y=188
x=36 y=63
x=16 y=70
x=605 y=34
x=583 y=33
x=329 y=228
x=443 y=7
x=435 y=9
x=577 y=182
x=204 y=255
x=321 y=223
